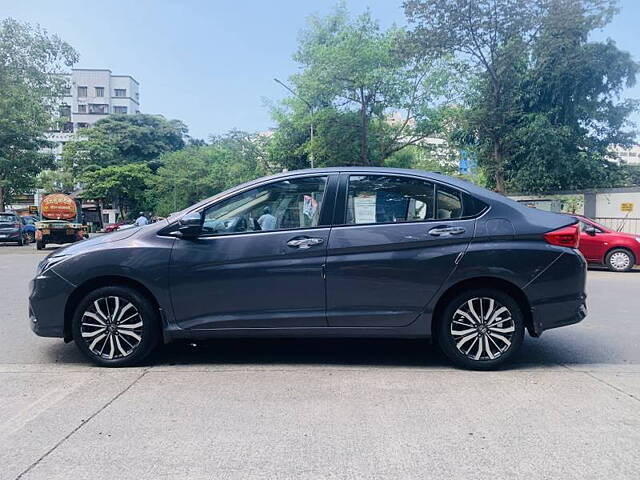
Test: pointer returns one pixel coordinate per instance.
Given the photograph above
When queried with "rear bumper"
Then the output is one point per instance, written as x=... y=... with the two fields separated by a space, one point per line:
x=61 y=237
x=47 y=301
x=557 y=296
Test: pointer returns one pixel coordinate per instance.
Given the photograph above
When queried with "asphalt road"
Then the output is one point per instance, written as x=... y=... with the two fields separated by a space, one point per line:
x=569 y=408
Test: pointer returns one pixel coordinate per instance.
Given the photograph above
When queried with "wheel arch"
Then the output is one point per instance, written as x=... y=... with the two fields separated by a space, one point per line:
x=483 y=282
x=98 y=282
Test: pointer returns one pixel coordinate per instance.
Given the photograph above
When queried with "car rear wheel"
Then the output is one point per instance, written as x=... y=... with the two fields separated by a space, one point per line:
x=481 y=329
x=116 y=327
x=620 y=260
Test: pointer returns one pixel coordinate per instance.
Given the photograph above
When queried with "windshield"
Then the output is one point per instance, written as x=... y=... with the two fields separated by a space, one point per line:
x=7 y=218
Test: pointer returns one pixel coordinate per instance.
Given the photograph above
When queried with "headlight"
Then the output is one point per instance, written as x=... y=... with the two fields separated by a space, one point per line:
x=49 y=262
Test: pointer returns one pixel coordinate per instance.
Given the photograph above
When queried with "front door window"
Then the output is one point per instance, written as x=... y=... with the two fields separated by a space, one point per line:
x=285 y=205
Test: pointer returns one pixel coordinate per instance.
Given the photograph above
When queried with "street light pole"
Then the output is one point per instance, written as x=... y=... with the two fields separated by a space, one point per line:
x=311 y=131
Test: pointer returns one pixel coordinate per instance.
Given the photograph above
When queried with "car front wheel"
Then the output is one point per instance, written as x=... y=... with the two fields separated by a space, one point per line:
x=481 y=329
x=620 y=260
x=116 y=327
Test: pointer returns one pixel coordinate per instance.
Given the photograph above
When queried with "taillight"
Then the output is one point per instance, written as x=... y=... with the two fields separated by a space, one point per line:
x=565 y=236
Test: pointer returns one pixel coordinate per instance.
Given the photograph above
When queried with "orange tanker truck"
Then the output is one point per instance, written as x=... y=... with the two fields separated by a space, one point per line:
x=57 y=225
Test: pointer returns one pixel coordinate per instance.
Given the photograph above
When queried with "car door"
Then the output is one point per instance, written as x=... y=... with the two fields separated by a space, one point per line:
x=592 y=246
x=259 y=262
x=396 y=240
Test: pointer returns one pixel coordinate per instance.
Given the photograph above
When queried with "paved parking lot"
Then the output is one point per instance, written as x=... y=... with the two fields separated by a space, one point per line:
x=569 y=408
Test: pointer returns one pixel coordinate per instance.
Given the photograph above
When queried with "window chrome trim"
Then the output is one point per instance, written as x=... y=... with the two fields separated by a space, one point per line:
x=413 y=177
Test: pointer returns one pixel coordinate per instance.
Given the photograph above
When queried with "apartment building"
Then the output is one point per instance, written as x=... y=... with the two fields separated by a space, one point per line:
x=91 y=95
x=630 y=156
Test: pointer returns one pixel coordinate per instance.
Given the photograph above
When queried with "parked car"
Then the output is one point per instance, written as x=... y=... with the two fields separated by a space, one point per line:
x=337 y=252
x=112 y=227
x=600 y=245
x=11 y=228
x=29 y=228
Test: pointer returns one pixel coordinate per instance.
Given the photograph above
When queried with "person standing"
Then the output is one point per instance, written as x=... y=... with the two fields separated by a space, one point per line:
x=141 y=220
x=267 y=221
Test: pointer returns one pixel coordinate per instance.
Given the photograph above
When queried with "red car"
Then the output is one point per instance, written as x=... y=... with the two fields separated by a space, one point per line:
x=112 y=227
x=616 y=250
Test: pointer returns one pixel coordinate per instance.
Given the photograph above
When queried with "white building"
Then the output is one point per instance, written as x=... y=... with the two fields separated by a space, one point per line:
x=91 y=95
x=631 y=156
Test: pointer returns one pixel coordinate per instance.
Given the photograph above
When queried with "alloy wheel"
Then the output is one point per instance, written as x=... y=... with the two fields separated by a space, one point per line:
x=111 y=327
x=482 y=328
x=620 y=260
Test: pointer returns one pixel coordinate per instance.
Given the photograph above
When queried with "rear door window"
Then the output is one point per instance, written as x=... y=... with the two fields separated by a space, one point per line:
x=452 y=204
x=449 y=203
x=388 y=199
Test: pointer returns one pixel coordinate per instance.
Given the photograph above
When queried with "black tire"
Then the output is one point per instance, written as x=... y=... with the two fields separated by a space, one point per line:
x=20 y=242
x=451 y=320
x=149 y=332
x=40 y=245
x=620 y=260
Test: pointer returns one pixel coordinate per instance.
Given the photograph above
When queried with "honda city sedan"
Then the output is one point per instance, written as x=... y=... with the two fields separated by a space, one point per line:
x=338 y=252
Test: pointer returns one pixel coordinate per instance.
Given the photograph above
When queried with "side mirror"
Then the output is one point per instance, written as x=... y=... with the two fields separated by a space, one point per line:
x=190 y=226
x=590 y=231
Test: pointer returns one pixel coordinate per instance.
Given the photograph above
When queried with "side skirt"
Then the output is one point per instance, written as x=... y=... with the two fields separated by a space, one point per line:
x=417 y=329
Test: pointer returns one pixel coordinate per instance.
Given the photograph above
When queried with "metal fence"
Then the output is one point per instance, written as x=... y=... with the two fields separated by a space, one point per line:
x=621 y=224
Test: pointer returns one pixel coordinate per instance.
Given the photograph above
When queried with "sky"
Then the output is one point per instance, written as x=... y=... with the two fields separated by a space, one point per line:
x=212 y=63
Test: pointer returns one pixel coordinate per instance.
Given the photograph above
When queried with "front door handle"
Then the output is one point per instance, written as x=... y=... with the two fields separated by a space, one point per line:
x=304 y=242
x=446 y=231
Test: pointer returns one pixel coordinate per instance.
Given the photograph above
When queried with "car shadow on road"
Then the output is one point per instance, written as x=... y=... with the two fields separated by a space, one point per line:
x=553 y=349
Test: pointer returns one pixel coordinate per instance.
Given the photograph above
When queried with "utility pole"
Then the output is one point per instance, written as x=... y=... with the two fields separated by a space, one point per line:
x=310 y=113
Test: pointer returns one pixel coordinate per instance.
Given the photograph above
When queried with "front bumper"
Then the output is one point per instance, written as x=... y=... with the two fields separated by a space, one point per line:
x=557 y=296
x=47 y=301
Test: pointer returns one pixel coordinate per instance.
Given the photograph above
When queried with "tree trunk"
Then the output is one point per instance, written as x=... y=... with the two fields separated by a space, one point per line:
x=1 y=199
x=364 y=130
x=498 y=167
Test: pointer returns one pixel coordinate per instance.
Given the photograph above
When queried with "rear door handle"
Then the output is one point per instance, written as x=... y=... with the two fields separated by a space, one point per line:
x=446 y=231
x=304 y=242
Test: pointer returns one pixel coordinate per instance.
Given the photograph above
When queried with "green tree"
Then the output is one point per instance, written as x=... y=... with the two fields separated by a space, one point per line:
x=492 y=38
x=124 y=139
x=572 y=112
x=124 y=186
x=196 y=172
x=30 y=60
x=428 y=158
x=55 y=181
x=366 y=95
x=542 y=108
